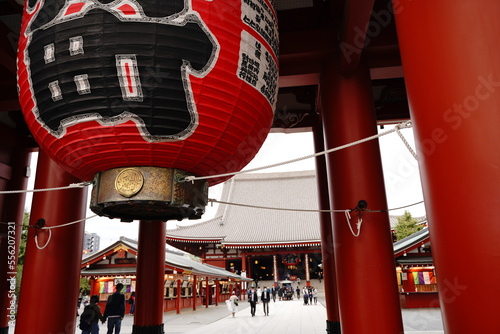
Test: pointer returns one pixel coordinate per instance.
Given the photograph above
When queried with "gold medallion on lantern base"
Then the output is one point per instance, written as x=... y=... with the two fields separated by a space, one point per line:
x=148 y=193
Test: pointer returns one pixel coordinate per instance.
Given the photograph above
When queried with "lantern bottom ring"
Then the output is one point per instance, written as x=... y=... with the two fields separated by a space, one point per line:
x=148 y=193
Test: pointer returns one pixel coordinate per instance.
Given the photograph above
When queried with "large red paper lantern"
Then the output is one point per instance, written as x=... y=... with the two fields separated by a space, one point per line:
x=189 y=85
x=181 y=84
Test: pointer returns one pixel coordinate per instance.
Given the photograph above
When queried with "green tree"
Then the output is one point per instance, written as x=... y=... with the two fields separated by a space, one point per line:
x=22 y=250
x=84 y=284
x=407 y=225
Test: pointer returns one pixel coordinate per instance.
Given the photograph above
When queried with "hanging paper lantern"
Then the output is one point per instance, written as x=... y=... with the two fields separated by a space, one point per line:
x=291 y=259
x=188 y=85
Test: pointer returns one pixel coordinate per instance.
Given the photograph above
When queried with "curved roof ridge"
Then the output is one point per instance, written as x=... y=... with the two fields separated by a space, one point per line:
x=196 y=224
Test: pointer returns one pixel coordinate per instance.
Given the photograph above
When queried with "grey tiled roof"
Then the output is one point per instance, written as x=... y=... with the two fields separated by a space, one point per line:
x=173 y=257
x=243 y=225
x=240 y=226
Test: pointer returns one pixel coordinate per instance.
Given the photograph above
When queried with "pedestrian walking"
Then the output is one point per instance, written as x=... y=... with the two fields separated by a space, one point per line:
x=306 y=297
x=232 y=304
x=265 y=298
x=252 y=299
x=115 y=310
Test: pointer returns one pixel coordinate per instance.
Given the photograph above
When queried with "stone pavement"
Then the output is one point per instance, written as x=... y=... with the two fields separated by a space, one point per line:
x=285 y=317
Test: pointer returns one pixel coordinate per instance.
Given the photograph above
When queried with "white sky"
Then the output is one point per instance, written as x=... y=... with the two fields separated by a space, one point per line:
x=401 y=175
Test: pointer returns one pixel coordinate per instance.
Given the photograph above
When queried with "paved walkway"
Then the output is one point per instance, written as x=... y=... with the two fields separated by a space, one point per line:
x=285 y=317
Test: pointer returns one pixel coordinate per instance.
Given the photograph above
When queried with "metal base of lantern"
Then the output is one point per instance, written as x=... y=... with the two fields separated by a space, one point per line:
x=148 y=193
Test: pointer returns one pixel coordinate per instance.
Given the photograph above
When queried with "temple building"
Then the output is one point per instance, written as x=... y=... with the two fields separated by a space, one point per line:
x=256 y=238
x=267 y=227
x=187 y=282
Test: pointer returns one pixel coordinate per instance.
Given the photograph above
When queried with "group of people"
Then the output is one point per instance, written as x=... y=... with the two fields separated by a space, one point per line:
x=114 y=312
x=310 y=295
x=256 y=296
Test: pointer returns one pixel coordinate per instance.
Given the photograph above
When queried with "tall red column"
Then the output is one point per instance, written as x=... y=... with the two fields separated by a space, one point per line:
x=52 y=274
x=454 y=94
x=366 y=274
x=12 y=211
x=195 y=291
x=178 y=302
x=148 y=317
x=217 y=289
x=326 y=230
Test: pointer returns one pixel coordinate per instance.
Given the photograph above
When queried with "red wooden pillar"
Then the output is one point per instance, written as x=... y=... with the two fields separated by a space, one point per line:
x=217 y=289
x=366 y=274
x=244 y=273
x=454 y=94
x=208 y=294
x=249 y=267
x=195 y=292
x=150 y=278
x=326 y=230
x=307 y=269
x=12 y=210
x=94 y=290
x=243 y=262
x=178 y=302
x=56 y=267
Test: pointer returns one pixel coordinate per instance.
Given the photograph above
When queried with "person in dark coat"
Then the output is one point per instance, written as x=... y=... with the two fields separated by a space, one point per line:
x=253 y=299
x=95 y=316
x=115 y=310
x=265 y=298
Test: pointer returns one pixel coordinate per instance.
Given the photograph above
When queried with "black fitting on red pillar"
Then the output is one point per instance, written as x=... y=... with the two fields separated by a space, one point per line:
x=362 y=205
x=155 y=329
x=332 y=327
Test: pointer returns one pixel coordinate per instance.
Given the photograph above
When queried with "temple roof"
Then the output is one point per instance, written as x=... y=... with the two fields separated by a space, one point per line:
x=248 y=224
x=174 y=258
x=243 y=226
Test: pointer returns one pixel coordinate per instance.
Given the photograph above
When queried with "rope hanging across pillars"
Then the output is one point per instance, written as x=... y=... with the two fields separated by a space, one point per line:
x=71 y=186
x=212 y=200
x=403 y=125
x=397 y=128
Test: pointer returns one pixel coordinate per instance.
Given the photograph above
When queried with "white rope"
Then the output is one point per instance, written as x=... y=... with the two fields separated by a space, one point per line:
x=271 y=208
x=67 y=224
x=403 y=207
x=49 y=228
x=406 y=142
x=72 y=185
x=46 y=244
x=212 y=200
x=406 y=124
x=358 y=225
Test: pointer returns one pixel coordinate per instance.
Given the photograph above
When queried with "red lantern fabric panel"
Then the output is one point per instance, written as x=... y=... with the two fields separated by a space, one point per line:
x=177 y=84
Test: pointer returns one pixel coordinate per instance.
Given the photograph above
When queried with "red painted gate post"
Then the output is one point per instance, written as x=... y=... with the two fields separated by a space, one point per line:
x=326 y=229
x=179 y=300
x=452 y=75
x=52 y=274
x=366 y=274
x=12 y=211
x=148 y=317
x=195 y=291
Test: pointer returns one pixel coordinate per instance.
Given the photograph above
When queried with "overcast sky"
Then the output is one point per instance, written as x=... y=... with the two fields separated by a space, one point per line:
x=401 y=176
